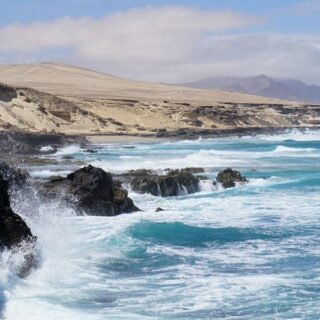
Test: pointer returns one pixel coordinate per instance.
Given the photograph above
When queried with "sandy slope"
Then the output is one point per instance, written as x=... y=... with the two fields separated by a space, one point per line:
x=79 y=101
x=71 y=81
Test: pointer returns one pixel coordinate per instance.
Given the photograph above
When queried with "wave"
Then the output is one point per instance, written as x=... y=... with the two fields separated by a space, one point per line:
x=180 y=234
x=70 y=150
x=44 y=174
x=284 y=149
x=211 y=158
x=294 y=135
x=46 y=148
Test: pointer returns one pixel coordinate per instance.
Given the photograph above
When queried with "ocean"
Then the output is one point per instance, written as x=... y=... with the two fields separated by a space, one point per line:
x=250 y=252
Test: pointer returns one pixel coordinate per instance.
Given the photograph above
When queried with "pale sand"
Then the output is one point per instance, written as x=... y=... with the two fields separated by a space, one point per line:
x=123 y=139
x=73 y=101
x=69 y=81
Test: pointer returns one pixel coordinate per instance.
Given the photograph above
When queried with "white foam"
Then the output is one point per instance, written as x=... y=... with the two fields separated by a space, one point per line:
x=46 y=148
x=77 y=250
x=68 y=150
x=206 y=186
x=48 y=173
x=294 y=134
x=284 y=149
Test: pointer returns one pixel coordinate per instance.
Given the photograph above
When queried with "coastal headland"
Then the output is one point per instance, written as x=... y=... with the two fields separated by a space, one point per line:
x=60 y=99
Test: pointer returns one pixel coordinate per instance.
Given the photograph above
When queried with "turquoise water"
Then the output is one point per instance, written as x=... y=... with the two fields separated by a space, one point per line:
x=252 y=252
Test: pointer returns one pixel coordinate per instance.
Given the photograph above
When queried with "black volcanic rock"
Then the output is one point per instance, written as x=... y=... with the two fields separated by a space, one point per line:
x=174 y=183
x=14 y=176
x=92 y=191
x=24 y=143
x=228 y=178
x=13 y=230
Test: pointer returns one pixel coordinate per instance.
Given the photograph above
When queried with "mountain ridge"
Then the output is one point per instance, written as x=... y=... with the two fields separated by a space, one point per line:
x=262 y=85
x=71 y=100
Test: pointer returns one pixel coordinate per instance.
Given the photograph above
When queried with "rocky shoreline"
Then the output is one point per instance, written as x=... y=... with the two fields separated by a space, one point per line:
x=23 y=144
x=190 y=134
x=90 y=191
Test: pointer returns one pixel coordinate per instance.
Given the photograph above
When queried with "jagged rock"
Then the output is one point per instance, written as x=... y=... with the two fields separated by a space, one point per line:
x=26 y=143
x=159 y=210
x=13 y=176
x=174 y=183
x=228 y=178
x=92 y=191
x=91 y=151
x=192 y=170
x=14 y=232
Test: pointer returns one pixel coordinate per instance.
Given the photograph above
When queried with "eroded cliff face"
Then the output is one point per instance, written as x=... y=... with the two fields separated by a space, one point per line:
x=38 y=112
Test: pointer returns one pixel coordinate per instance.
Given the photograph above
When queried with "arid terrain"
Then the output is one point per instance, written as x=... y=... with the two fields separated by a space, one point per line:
x=71 y=100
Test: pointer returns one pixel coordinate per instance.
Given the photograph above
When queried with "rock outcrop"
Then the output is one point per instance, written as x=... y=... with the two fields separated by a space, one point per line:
x=229 y=177
x=23 y=143
x=13 y=230
x=91 y=191
x=174 y=183
x=14 y=176
x=7 y=93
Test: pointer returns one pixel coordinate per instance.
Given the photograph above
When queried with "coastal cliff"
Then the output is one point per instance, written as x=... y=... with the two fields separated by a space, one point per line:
x=73 y=101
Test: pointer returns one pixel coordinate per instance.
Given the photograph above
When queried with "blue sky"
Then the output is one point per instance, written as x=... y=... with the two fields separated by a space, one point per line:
x=280 y=13
x=280 y=38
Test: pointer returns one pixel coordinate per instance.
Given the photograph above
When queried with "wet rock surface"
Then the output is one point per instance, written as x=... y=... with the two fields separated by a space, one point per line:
x=14 y=232
x=14 y=176
x=92 y=191
x=173 y=183
x=16 y=142
x=229 y=177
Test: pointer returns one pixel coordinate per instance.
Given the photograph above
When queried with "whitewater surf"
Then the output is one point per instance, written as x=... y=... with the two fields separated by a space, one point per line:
x=250 y=252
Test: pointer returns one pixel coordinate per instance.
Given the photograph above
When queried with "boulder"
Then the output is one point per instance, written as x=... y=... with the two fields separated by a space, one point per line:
x=92 y=191
x=14 y=176
x=13 y=230
x=229 y=177
x=174 y=183
x=192 y=170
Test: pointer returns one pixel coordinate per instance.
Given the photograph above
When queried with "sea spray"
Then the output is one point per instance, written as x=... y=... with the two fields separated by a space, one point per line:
x=250 y=252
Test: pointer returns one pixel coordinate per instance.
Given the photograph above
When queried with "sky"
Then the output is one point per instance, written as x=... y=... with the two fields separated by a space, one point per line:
x=167 y=41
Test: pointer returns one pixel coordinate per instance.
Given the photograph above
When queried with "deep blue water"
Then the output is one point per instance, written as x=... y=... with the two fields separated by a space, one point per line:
x=252 y=252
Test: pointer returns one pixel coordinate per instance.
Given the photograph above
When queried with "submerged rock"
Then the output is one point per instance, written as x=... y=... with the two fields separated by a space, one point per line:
x=91 y=151
x=92 y=191
x=228 y=178
x=174 y=183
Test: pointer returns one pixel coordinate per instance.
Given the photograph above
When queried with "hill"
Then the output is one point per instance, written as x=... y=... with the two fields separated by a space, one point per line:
x=287 y=89
x=71 y=100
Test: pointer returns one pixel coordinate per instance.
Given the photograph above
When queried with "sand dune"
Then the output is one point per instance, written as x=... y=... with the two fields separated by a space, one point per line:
x=78 y=101
x=69 y=81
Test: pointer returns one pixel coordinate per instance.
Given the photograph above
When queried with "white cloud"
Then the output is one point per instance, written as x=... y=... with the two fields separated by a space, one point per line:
x=164 y=44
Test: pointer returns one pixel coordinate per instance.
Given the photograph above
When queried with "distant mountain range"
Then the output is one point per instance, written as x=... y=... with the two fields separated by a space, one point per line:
x=287 y=89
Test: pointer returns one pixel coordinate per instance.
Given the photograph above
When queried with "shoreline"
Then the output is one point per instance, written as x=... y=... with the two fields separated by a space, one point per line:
x=190 y=134
x=13 y=143
x=101 y=139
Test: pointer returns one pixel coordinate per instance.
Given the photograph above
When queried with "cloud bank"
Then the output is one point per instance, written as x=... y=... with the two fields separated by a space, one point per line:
x=170 y=44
